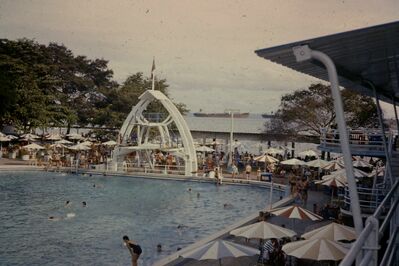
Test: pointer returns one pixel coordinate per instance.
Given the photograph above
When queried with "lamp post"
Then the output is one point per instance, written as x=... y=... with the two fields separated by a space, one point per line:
x=231 y=113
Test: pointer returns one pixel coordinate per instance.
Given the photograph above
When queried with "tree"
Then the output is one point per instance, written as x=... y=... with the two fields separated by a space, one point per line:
x=311 y=109
x=64 y=86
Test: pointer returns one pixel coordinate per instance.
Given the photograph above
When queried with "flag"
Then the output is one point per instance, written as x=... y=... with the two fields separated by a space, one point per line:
x=153 y=69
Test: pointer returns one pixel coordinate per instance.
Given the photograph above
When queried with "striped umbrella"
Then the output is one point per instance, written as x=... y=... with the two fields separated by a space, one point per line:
x=332 y=231
x=296 y=212
x=266 y=159
x=316 y=249
x=263 y=230
x=218 y=249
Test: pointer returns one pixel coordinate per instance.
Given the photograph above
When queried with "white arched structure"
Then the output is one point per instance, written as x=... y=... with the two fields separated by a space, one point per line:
x=141 y=128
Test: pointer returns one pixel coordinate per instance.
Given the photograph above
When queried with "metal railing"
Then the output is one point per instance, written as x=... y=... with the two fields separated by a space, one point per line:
x=369 y=198
x=369 y=239
x=359 y=139
x=147 y=169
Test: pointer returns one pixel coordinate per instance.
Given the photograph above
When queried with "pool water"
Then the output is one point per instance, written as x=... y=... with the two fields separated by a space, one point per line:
x=148 y=211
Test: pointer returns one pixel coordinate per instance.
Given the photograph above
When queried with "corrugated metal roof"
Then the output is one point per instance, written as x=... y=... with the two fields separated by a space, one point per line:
x=365 y=54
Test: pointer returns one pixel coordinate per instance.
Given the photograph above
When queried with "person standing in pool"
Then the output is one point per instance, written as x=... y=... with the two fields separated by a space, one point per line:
x=134 y=249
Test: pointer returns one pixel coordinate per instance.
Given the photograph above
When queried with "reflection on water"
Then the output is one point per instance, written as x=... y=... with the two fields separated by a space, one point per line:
x=148 y=211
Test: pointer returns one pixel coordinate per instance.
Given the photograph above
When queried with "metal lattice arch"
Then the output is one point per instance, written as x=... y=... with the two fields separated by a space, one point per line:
x=140 y=128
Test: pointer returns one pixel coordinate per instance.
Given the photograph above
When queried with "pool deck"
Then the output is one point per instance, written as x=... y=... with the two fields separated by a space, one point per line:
x=174 y=259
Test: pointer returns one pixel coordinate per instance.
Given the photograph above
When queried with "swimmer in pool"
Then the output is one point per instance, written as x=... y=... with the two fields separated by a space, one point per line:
x=53 y=218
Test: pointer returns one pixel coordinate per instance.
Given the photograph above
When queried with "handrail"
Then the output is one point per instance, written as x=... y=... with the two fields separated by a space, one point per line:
x=380 y=208
x=357 y=246
x=387 y=259
x=388 y=217
x=362 y=238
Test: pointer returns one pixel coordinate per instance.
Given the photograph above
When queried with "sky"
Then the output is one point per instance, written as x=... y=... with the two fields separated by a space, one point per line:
x=204 y=49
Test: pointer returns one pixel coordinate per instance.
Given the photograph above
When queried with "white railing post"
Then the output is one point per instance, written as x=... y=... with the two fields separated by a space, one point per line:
x=304 y=53
x=372 y=245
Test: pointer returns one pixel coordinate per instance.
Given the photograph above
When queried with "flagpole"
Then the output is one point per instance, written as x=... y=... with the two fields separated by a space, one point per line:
x=153 y=74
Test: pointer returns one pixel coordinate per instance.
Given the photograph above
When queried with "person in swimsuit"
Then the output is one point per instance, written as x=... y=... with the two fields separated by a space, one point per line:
x=134 y=249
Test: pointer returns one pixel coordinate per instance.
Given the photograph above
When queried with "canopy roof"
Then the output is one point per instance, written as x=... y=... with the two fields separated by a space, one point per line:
x=365 y=54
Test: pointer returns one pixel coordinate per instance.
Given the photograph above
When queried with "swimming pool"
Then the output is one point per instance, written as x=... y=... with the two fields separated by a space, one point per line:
x=148 y=211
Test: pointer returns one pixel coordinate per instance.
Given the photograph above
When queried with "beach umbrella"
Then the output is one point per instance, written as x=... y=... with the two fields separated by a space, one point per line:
x=109 y=143
x=309 y=153
x=218 y=249
x=33 y=146
x=53 y=136
x=293 y=161
x=58 y=146
x=63 y=141
x=319 y=163
x=342 y=173
x=204 y=149
x=333 y=182
x=334 y=165
x=4 y=138
x=87 y=143
x=11 y=137
x=316 y=249
x=263 y=230
x=274 y=151
x=266 y=159
x=332 y=231
x=74 y=136
x=361 y=163
x=29 y=137
x=79 y=147
x=296 y=212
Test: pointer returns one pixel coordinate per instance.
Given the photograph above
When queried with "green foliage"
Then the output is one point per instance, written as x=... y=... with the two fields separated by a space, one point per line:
x=44 y=86
x=311 y=109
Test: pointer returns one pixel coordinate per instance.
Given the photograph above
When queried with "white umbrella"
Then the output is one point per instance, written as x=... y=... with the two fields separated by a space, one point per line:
x=333 y=182
x=266 y=159
x=263 y=230
x=4 y=138
x=79 y=147
x=293 y=161
x=204 y=149
x=33 y=146
x=309 y=153
x=316 y=249
x=12 y=137
x=63 y=141
x=274 y=151
x=334 y=165
x=332 y=231
x=342 y=173
x=53 y=136
x=110 y=143
x=361 y=163
x=58 y=145
x=74 y=136
x=29 y=137
x=296 y=212
x=218 y=249
x=319 y=163
x=87 y=143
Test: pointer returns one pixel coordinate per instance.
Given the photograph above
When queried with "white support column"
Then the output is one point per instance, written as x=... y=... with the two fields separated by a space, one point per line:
x=304 y=53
